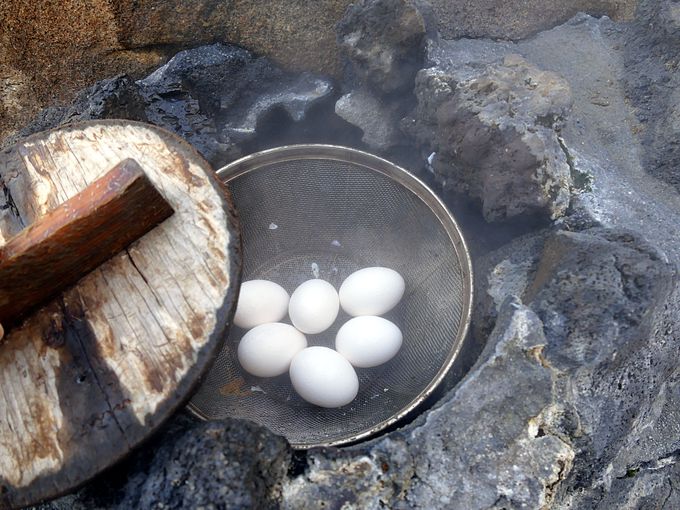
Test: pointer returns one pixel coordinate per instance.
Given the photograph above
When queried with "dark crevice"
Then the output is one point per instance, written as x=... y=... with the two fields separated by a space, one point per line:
x=299 y=462
x=661 y=462
x=551 y=489
x=132 y=261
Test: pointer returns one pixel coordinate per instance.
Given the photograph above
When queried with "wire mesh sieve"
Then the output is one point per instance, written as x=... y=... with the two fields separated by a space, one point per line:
x=324 y=211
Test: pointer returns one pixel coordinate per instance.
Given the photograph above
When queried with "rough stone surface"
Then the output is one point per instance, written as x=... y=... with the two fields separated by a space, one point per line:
x=215 y=465
x=213 y=96
x=479 y=449
x=600 y=307
x=627 y=456
x=601 y=134
x=652 y=81
x=504 y=272
x=384 y=40
x=646 y=489
x=602 y=296
x=114 y=98
x=378 y=120
x=51 y=49
x=495 y=135
x=517 y=19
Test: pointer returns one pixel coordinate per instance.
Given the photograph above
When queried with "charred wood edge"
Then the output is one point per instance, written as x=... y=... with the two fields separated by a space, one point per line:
x=76 y=237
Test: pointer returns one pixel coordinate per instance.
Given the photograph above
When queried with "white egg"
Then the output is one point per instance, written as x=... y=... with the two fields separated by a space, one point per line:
x=313 y=306
x=267 y=349
x=368 y=341
x=371 y=291
x=260 y=302
x=323 y=377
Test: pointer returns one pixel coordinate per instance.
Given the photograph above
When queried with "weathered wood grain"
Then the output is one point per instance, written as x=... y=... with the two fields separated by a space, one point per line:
x=89 y=375
x=77 y=236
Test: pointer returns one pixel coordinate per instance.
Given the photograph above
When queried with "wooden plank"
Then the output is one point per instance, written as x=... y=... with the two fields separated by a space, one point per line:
x=77 y=236
x=92 y=373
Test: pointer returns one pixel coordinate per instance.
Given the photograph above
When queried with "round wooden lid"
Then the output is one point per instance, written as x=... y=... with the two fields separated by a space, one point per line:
x=88 y=376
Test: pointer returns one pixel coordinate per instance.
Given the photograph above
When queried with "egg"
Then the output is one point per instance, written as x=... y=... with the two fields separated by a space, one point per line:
x=260 y=302
x=313 y=306
x=267 y=349
x=371 y=291
x=368 y=341
x=323 y=377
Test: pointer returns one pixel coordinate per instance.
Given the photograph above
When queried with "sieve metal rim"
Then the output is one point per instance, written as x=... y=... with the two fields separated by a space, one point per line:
x=416 y=186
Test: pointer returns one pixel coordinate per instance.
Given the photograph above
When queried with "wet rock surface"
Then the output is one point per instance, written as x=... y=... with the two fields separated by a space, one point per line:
x=215 y=96
x=574 y=399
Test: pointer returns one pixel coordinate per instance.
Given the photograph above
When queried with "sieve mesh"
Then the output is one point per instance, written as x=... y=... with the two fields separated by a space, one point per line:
x=326 y=214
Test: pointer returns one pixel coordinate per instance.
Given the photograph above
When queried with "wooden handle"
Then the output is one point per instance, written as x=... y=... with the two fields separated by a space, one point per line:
x=74 y=238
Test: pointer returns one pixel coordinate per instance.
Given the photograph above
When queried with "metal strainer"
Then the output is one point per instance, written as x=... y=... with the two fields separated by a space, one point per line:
x=325 y=211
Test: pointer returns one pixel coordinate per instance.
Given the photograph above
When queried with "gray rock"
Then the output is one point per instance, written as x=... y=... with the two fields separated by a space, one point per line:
x=671 y=13
x=517 y=19
x=625 y=395
x=615 y=358
x=603 y=296
x=495 y=135
x=506 y=271
x=378 y=120
x=601 y=134
x=230 y=90
x=384 y=40
x=224 y=464
x=209 y=465
x=482 y=448
x=646 y=489
x=652 y=83
x=212 y=96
